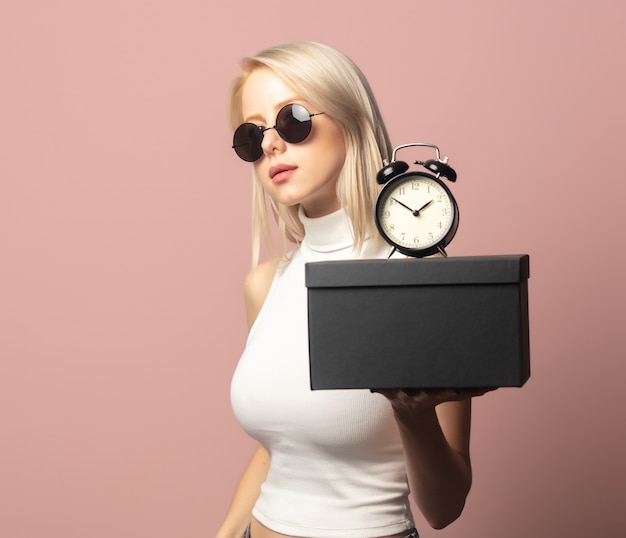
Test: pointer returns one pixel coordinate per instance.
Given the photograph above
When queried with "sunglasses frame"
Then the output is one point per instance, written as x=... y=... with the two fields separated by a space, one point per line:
x=258 y=130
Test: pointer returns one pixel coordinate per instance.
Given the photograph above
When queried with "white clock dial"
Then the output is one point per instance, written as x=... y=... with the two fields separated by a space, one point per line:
x=416 y=212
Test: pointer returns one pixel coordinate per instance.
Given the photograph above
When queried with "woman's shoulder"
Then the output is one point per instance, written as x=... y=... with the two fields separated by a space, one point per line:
x=257 y=285
x=261 y=275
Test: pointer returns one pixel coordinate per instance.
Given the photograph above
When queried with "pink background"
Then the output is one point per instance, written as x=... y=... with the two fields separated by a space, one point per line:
x=124 y=239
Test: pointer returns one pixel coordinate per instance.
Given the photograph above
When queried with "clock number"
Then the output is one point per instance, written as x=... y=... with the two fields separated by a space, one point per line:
x=401 y=191
x=415 y=186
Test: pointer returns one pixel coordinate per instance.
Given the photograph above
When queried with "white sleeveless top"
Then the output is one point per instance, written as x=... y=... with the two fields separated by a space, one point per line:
x=336 y=460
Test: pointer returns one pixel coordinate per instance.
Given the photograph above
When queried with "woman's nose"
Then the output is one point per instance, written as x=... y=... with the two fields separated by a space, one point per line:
x=272 y=142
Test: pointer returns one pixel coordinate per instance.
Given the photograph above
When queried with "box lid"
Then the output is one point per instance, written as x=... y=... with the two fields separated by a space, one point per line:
x=412 y=271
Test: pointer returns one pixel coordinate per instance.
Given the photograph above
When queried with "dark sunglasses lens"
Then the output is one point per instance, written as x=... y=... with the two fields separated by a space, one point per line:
x=293 y=123
x=247 y=142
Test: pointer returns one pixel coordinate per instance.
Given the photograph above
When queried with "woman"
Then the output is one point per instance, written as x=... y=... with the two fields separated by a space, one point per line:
x=330 y=464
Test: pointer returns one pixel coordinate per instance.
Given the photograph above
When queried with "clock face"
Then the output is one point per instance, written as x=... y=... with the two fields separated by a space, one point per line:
x=416 y=213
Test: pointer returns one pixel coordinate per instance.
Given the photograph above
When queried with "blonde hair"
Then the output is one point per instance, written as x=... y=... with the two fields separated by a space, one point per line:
x=333 y=83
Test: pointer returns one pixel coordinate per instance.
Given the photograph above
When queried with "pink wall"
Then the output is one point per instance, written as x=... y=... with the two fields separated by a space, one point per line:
x=124 y=241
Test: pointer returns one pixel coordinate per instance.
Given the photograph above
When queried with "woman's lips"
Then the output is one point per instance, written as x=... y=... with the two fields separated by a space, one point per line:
x=281 y=172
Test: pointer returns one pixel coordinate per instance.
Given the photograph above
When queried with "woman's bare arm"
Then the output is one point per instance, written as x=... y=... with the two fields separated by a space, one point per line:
x=256 y=288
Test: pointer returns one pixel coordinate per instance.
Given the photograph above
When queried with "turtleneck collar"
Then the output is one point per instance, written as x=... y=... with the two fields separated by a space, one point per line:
x=330 y=233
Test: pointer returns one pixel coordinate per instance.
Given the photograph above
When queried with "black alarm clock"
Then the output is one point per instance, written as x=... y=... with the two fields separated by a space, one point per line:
x=415 y=211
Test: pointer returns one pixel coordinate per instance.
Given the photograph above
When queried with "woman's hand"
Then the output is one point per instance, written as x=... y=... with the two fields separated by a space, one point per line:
x=410 y=401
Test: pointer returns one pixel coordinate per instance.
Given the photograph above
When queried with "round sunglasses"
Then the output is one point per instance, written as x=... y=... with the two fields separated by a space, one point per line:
x=293 y=125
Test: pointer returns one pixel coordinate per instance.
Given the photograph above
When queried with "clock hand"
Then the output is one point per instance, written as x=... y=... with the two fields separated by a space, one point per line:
x=403 y=205
x=417 y=212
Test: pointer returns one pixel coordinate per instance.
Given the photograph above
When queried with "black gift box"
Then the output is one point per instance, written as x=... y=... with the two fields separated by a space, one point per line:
x=419 y=323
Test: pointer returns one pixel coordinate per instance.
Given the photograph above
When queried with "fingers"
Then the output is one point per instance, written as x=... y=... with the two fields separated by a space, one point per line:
x=430 y=396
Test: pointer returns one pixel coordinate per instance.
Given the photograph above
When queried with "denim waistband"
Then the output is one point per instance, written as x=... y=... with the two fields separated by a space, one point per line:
x=411 y=534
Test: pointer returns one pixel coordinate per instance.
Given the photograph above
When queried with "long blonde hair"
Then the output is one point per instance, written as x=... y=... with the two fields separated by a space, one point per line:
x=333 y=83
